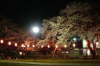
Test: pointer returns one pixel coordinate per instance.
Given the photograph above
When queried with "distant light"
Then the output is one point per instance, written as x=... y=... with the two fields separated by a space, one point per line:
x=15 y=44
x=88 y=52
x=86 y=43
x=1 y=41
x=9 y=43
x=27 y=45
x=23 y=45
x=75 y=39
x=97 y=43
x=74 y=45
x=20 y=53
x=65 y=46
x=56 y=46
x=67 y=52
x=33 y=45
x=63 y=52
x=48 y=46
x=36 y=29
x=41 y=46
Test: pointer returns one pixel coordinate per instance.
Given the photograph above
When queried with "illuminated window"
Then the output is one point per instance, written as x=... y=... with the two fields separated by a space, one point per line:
x=88 y=52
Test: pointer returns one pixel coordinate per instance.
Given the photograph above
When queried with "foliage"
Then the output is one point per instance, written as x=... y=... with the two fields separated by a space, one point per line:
x=12 y=32
x=8 y=29
x=79 y=19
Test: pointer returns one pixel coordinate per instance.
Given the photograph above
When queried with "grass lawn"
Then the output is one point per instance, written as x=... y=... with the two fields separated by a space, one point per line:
x=25 y=62
x=17 y=64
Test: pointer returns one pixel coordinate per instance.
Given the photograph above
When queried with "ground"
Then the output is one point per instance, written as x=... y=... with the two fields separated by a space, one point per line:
x=50 y=62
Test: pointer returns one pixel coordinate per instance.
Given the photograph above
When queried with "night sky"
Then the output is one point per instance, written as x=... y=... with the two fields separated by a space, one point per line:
x=28 y=12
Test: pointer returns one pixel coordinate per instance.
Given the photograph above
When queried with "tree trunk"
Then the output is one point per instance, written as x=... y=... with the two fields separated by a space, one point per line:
x=53 y=54
x=93 y=51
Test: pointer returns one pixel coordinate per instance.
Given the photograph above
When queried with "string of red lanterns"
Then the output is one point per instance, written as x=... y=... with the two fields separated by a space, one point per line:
x=56 y=46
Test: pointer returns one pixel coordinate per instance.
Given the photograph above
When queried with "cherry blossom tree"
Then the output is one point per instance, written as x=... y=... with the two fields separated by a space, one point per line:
x=76 y=19
x=8 y=28
x=12 y=32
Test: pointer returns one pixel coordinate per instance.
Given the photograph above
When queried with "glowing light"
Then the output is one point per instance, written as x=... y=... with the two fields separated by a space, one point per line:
x=63 y=52
x=20 y=53
x=88 y=52
x=9 y=43
x=36 y=29
x=97 y=43
x=1 y=41
x=75 y=39
x=85 y=43
x=15 y=44
x=65 y=46
x=33 y=45
x=28 y=46
x=67 y=52
x=23 y=45
x=56 y=46
x=41 y=46
x=48 y=46
x=74 y=45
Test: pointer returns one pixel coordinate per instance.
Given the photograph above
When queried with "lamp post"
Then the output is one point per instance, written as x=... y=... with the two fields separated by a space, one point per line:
x=35 y=30
x=74 y=39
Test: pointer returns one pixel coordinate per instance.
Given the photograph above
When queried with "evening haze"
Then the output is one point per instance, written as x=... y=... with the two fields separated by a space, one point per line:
x=28 y=12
